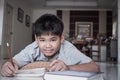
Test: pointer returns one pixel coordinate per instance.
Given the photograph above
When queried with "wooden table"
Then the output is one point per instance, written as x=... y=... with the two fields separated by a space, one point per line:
x=80 y=44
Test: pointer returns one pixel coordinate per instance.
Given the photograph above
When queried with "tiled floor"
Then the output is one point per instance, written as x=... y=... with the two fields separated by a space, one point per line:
x=111 y=70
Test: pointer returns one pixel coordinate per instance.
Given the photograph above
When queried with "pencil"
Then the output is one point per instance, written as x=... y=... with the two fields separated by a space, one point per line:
x=10 y=54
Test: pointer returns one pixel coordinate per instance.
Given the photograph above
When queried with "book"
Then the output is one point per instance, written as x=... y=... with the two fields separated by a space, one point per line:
x=73 y=75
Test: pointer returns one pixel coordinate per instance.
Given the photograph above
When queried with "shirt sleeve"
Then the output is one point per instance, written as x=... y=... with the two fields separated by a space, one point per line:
x=78 y=57
x=73 y=56
x=25 y=56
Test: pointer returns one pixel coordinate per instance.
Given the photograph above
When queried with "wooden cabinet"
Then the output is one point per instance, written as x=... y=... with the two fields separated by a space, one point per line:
x=102 y=52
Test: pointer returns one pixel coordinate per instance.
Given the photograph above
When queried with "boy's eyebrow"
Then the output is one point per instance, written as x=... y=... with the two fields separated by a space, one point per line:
x=53 y=37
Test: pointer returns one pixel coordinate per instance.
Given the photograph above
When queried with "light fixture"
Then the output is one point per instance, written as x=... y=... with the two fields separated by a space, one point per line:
x=71 y=3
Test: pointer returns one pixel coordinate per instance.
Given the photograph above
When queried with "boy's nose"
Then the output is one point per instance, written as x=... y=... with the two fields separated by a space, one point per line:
x=48 y=44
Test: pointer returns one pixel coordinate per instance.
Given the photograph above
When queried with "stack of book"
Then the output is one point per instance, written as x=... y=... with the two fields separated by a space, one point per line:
x=59 y=75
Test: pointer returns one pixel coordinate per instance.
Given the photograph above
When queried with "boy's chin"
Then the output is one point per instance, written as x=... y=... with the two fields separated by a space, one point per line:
x=49 y=55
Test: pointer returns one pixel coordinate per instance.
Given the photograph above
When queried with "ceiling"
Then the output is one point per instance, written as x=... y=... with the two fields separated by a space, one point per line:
x=73 y=4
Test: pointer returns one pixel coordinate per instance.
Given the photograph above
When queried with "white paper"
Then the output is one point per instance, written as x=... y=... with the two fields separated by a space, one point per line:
x=31 y=72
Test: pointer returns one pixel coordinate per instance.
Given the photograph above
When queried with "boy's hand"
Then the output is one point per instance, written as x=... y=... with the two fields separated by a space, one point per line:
x=8 y=69
x=58 y=65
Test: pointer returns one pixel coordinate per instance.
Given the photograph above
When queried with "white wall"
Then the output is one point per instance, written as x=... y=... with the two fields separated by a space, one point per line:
x=66 y=19
x=118 y=9
x=38 y=12
x=1 y=18
x=118 y=31
x=1 y=22
x=22 y=35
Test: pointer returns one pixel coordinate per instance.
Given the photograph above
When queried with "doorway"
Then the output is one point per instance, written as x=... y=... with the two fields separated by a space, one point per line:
x=7 y=30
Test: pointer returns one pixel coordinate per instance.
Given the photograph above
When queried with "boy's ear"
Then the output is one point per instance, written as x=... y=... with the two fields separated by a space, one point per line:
x=62 y=38
x=35 y=38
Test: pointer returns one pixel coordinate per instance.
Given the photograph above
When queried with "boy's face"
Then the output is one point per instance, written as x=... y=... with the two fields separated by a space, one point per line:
x=49 y=44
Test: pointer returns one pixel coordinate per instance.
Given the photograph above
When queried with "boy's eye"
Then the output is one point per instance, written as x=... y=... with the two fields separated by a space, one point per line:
x=53 y=40
x=41 y=40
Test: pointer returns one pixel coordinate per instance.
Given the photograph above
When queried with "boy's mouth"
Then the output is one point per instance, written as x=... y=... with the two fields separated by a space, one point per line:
x=49 y=51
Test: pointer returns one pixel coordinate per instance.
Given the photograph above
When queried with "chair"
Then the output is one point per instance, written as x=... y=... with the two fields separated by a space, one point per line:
x=86 y=50
x=93 y=47
x=97 y=50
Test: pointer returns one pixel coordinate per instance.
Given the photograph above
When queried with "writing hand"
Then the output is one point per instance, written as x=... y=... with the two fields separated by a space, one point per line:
x=8 y=69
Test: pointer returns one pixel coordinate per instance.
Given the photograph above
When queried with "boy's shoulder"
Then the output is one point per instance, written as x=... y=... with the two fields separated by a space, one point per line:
x=66 y=44
x=32 y=45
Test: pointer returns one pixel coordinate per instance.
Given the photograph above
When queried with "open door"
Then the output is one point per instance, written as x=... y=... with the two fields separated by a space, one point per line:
x=7 y=30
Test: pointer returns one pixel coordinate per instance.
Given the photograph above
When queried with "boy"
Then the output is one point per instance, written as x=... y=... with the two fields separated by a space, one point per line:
x=49 y=45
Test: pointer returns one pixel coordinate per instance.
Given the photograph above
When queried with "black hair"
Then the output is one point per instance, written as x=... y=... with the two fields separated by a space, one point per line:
x=48 y=24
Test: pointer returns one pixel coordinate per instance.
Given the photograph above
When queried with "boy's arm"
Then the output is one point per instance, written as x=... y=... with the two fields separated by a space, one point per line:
x=58 y=65
x=91 y=66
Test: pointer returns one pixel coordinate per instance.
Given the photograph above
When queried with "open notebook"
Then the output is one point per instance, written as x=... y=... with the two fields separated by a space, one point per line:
x=37 y=72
